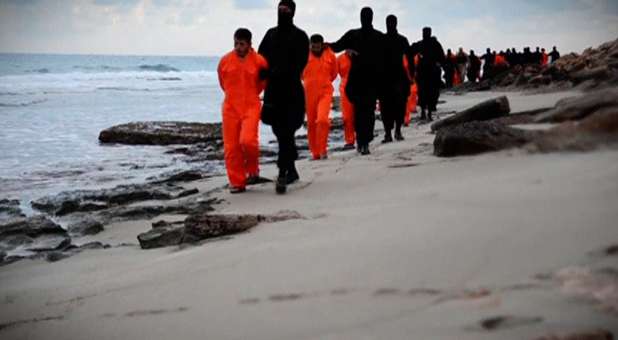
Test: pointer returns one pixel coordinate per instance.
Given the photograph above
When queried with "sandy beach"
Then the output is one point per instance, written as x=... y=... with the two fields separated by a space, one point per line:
x=397 y=245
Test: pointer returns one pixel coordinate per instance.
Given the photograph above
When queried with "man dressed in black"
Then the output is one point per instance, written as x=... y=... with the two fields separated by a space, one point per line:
x=286 y=48
x=396 y=90
x=428 y=71
x=365 y=79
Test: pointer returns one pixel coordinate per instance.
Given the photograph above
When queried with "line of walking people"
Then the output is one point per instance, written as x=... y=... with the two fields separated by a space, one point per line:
x=461 y=66
x=297 y=73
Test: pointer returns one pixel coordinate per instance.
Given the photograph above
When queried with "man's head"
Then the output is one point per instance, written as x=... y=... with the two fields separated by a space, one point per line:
x=555 y=49
x=426 y=33
x=242 y=42
x=317 y=44
x=391 y=24
x=367 y=17
x=472 y=53
x=538 y=49
x=286 y=11
x=488 y=51
x=542 y=50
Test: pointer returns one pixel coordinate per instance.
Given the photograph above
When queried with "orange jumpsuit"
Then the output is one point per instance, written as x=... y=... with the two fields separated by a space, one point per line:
x=344 y=63
x=413 y=99
x=318 y=78
x=545 y=59
x=239 y=79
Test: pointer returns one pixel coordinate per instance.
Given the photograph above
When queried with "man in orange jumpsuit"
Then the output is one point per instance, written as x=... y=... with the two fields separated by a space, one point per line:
x=344 y=64
x=318 y=77
x=239 y=76
x=413 y=98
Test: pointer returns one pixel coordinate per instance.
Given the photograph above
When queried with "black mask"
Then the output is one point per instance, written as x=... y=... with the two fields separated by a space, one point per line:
x=391 y=24
x=286 y=19
x=367 y=18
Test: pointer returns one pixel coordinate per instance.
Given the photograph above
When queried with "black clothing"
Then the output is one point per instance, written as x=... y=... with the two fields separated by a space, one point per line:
x=396 y=83
x=488 y=63
x=474 y=69
x=428 y=71
x=449 y=70
x=286 y=48
x=365 y=78
x=555 y=55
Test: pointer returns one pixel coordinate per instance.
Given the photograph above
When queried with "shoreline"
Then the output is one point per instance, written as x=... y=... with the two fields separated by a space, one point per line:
x=394 y=245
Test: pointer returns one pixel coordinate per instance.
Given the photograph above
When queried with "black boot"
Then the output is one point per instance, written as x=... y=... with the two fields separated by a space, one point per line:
x=292 y=176
x=365 y=150
x=429 y=118
x=281 y=182
x=398 y=135
x=423 y=114
x=388 y=138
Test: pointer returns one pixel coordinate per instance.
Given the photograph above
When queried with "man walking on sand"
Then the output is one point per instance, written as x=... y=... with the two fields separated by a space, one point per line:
x=286 y=49
x=366 y=74
x=239 y=78
x=428 y=71
x=318 y=77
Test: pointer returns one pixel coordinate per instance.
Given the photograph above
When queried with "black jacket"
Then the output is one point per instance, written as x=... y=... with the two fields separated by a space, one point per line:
x=287 y=51
x=431 y=55
x=396 y=80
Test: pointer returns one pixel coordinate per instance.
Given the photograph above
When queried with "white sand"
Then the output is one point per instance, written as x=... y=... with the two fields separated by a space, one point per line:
x=372 y=234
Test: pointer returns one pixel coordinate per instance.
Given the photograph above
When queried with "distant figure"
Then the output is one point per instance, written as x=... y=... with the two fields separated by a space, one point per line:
x=488 y=64
x=318 y=77
x=474 y=68
x=413 y=98
x=344 y=64
x=527 y=57
x=544 y=57
x=286 y=48
x=450 y=65
x=537 y=56
x=396 y=89
x=428 y=72
x=365 y=80
x=239 y=78
x=554 y=55
x=462 y=63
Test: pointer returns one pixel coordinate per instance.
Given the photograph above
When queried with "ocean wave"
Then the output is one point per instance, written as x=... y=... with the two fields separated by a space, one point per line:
x=165 y=79
x=158 y=68
x=34 y=102
x=9 y=94
x=41 y=71
x=98 y=68
x=121 y=88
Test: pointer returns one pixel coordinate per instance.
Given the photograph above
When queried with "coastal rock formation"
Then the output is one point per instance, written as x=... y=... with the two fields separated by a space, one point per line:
x=586 y=123
x=162 y=133
x=88 y=226
x=488 y=110
x=95 y=200
x=203 y=226
x=9 y=209
x=478 y=137
x=25 y=237
x=594 y=68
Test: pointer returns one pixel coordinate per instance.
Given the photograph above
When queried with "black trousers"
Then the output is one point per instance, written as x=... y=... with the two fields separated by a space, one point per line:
x=393 y=110
x=288 y=153
x=364 y=119
x=429 y=87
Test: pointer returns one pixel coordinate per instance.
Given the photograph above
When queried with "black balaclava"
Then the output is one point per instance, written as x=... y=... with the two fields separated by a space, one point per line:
x=285 y=19
x=391 y=24
x=426 y=33
x=367 y=18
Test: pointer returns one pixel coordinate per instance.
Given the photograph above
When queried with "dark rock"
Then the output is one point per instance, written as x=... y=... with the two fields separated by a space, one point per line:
x=56 y=256
x=164 y=224
x=525 y=117
x=88 y=226
x=206 y=226
x=580 y=107
x=31 y=226
x=162 y=237
x=161 y=133
x=95 y=200
x=612 y=250
x=183 y=176
x=590 y=335
x=478 y=137
x=9 y=209
x=506 y=322
x=491 y=109
x=49 y=243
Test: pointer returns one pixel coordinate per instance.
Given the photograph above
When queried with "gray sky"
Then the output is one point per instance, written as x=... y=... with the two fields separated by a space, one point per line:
x=205 y=27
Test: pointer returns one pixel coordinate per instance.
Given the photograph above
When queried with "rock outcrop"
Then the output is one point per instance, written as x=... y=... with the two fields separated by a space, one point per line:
x=162 y=133
x=488 y=110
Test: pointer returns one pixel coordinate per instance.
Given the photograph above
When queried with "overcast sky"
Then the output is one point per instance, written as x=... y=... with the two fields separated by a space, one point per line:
x=205 y=27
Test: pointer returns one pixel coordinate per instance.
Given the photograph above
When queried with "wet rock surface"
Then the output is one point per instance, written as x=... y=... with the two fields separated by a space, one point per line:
x=96 y=200
x=161 y=133
x=203 y=226
x=9 y=209
x=578 y=108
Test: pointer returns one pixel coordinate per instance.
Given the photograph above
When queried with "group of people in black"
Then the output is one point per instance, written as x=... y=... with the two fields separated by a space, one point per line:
x=461 y=66
x=383 y=67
